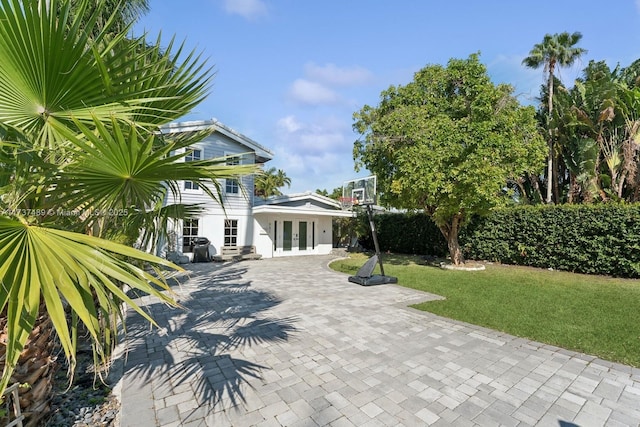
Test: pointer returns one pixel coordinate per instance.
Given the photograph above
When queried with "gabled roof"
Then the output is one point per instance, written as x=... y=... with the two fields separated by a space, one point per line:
x=308 y=203
x=263 y=154
x=296 y=197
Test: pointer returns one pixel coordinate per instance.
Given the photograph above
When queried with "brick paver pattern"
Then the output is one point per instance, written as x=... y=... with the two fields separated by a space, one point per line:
x=288 y=342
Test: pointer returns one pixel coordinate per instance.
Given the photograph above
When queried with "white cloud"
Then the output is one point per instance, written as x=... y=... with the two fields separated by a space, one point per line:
x=327 y=135
x=249 y=9
x=312 y=172
x=339 y=76
x=321 y=141
x=317 y=86
x=322 y=136
x=315 y=153
x=289 y=124
x=312 y=93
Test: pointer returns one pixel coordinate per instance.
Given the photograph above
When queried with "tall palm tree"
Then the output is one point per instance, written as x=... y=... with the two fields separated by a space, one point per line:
x=557 y=50
x=283 y=179
x=80 y=106
x=269 y=183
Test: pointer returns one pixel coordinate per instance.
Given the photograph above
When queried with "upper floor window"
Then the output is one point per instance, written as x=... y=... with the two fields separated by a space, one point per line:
x=232 y=186
x=194 y=155
x=191 y=185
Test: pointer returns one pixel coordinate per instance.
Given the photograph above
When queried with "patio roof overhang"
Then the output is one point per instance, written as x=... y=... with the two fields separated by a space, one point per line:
x=305 y=211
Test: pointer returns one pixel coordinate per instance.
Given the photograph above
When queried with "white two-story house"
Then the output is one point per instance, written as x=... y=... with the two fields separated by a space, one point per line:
x=296 y=224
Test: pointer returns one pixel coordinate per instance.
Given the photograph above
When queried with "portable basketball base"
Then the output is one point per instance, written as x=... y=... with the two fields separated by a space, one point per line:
x=364 y=276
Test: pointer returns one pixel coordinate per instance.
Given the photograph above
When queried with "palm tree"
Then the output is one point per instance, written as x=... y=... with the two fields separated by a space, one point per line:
x=557 y=50
x=283 y=179
x=80 y=106
x=129 y=11
x=606 y=111
x=268 y=183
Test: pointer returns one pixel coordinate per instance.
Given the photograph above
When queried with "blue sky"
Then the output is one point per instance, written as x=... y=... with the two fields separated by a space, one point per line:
x=291 y=73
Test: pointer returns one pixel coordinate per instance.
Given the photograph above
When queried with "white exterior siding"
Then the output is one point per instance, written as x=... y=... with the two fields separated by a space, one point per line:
x=215 y=146
x=263 y=236
x=283 y=226
x=270 y=228
x=212 y=227
x=211 y=223
x=281 y=223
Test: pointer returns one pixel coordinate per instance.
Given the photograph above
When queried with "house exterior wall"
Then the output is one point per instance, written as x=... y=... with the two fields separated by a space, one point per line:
x=269 y=235
x=211 y=222
x=299 y=224
x=263 y=232
x=215 y=146
x=213 y=225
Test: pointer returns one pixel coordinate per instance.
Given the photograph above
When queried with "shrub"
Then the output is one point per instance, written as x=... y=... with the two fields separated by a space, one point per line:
x=407 y=233
x=593 y=239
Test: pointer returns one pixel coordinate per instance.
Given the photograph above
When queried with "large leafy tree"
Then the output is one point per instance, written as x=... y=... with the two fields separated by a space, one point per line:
x=447 y=143
x=555 y=50
x=82 y=157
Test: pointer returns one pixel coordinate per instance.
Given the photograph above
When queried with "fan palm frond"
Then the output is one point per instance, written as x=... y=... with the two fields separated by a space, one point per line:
x=67 y=269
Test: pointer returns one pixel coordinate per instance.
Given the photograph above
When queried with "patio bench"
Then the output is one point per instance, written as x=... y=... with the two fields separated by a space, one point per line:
x=237 y=253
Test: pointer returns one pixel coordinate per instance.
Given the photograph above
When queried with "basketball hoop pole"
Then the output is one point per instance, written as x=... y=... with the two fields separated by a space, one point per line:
x=375 y=237
x=362 y=192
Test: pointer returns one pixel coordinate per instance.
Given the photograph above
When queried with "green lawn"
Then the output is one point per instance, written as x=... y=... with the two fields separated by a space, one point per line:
x=592 y=314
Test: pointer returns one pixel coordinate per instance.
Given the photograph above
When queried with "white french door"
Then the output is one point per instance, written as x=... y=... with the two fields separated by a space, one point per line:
x=295 y=237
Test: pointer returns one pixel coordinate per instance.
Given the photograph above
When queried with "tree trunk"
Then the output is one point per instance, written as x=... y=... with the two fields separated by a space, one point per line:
x=549 y=197
x=556 y=179
x=550 y=176
x=450 y=233
x=534 y=179
x=454 y=250
x=523 y=191
x=574 y=189
x=36 y=367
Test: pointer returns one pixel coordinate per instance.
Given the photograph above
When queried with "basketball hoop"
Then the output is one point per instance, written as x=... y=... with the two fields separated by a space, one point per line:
x=359 y=191
x=348 y=202
x=362 y=192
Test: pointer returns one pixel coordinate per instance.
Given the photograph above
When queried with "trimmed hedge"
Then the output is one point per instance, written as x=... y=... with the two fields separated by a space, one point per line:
x=410 y=233
x=592 y=239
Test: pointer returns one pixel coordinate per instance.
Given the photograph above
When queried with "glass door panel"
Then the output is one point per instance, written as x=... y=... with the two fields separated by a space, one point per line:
x=302 y=233
x=287 y=235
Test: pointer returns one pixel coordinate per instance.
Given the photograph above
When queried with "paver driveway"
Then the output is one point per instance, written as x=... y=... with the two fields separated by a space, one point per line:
x=290 y=342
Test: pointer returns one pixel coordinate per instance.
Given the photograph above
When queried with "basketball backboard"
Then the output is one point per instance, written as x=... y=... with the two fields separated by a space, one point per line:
x=358 y=192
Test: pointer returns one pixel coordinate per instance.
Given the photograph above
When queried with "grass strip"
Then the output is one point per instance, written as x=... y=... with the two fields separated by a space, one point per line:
x=591 y=314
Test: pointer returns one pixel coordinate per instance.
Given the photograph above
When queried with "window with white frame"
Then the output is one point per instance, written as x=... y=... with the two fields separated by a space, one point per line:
x=189 y=232
x=231 y=232
x=232 y=186
x=193 y=155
